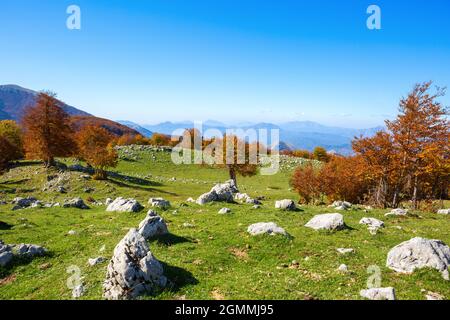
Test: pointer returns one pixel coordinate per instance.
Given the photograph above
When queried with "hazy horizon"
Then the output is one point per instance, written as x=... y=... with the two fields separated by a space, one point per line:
x=230 y=61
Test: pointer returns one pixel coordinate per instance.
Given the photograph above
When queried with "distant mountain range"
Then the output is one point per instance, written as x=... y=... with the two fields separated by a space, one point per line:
x=14 y=100
x=294 y=135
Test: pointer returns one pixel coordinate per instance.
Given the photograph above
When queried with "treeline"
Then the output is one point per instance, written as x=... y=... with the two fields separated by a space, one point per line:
x=319 y=153
x=410 y=161
x=46 y=132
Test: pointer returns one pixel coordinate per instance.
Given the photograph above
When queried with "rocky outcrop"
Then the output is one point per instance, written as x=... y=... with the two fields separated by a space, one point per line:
x=223 y=192
x=133 y=270
x=419 y=253
x=153 y=226
x=124 y=205
x=397 y=212
x=6 y=254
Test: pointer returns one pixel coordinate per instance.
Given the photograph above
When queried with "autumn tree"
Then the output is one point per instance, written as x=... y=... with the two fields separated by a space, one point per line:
x=320 y=154
x=307 y=183
x=47 y=130
x=379 y=158
x=421 y=126
x=10 y=131
x=159 y=139
x=96 y=148
x=237 y=156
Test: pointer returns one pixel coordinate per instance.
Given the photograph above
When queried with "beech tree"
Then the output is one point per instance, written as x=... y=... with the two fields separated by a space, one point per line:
x=11 y=146
x=95 y=145
x=47 y=130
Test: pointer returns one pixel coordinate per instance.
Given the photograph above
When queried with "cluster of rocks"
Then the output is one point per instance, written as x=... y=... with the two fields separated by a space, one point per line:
x=341 y=205
x=23 y=203
x=223 y=192
x=373 y=225
x=378 y=293
x=7 y=252
x=245 y=198
x=75 y=203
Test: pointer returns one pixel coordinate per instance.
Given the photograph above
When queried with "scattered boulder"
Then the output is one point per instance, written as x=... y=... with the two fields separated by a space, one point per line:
x=443 y=211
x=95 y=261
x=328 y=221
x=285 y=204
x=434 y=296
x=243 y=197
x=190 y=200
x=75 y=203
x=256 y=206
x=378 y=293
x=343 y=268
x=72 y=232
x=397 y=212
x=159 y=203
x=108 y=201
x=224 y=211
x=220 y=192
x=270 y=228
x=6 y=254
x=133 y=270
x=78 y=291
x=345 y=250
x=372 y=222
x=124 y=205
x=153 y=226
x=420 y=253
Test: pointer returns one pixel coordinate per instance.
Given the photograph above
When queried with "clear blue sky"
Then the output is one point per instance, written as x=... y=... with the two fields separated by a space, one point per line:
x=229 y=60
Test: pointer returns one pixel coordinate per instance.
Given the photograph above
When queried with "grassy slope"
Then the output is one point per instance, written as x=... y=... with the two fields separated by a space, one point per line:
x=214 y=259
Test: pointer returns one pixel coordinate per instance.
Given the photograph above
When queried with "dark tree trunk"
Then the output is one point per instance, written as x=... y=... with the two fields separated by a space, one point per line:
x=232 y=172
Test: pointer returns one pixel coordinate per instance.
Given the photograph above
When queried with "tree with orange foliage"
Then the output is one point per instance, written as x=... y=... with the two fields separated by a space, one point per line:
x=159 y=139
x=96 y=148
x=238 y=156
x=306 y=182
x=421 y=126
x=47 y=131
x=10 y=131
x=379 y=161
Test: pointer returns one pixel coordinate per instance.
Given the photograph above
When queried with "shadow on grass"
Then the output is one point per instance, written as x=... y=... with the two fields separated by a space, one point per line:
x=5 y=226
x=171 y=239
x=134 y=180
x=177 y=278
x=139 y=187
x=18 y=261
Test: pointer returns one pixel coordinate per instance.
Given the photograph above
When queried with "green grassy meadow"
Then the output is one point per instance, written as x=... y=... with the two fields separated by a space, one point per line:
x=212 y=258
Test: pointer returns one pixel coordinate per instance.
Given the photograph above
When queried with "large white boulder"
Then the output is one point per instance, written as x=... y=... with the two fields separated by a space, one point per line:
x=285 y=204
x=378 y=293
x=270 y=228
x=153 y=226
x=133 y=270
x=328 y=221
x=124 y=205
x=419 y=253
